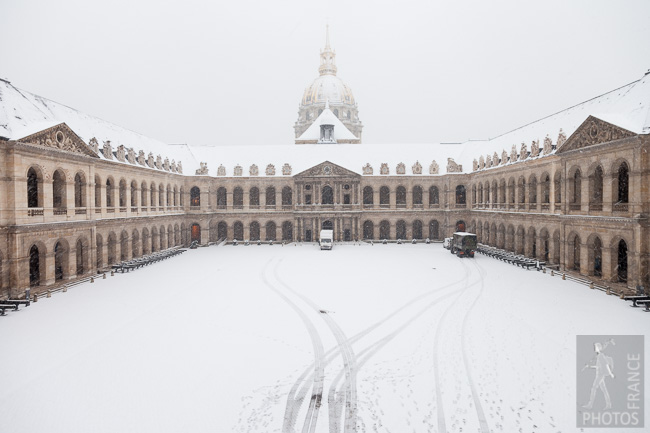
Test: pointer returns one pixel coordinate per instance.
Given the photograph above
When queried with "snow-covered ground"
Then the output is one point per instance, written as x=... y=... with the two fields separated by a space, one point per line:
x=392 y=338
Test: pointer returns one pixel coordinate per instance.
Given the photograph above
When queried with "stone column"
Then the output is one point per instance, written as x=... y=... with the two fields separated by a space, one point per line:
x=608 y=196
x=375 y=197
x=49 y=268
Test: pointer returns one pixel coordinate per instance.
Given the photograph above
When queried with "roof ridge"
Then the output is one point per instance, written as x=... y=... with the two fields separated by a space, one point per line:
x=566 y=109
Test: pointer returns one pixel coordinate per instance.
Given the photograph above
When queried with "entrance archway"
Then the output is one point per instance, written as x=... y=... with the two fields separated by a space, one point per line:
x=622 y=261
x=34 y=267
x=195 y=232
x=460 y=226
x=328 y=225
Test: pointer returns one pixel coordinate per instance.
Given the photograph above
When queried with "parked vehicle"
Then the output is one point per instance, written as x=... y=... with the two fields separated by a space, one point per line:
x=326 y=239
x=463 y=244
x=446 y=243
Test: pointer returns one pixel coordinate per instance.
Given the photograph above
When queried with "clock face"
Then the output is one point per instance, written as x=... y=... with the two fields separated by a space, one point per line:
x=327 y=169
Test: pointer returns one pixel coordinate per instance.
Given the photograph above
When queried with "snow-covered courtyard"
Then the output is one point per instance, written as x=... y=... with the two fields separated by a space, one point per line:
x=390 y=338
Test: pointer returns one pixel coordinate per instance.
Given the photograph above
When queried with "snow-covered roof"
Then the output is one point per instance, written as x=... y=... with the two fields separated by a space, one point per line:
x=23 y=113
x=327 y=117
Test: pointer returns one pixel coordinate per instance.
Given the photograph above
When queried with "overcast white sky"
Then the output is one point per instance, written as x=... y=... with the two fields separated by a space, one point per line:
x=217 y=72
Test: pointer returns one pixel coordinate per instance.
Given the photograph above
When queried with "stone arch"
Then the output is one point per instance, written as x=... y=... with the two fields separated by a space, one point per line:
x=82 y=256
x=270 y=196
x=135 y=243
x=254 y=197
x=494 y=234
x=595 y=255
x=255 y=231
x=271 y=231
x=384 y=230
x=37 y=264
x=80 y=189
x=460 y=195
x=58 y=189
x=596 y=177
x=238 y=197
x=531 y=243
x=368 y=230
x=501 y=236
x=61 y=260
x=434 y=230
x=544 y=248
x=238 y=231
x=400 y=196
x=620 y=184
x=327 y=195
x=222 y=230
x=122 y=193
x=222 y=198
x=434 y=195
x=384 y=196
x=110 y=192
x=195 y=196
x=368 y=195
x=124 y=246
x=177 y=235
x=146 y=241
x=155 y=239
x=195 y=233
x=575 y=187
x=111 y=244
x=162 y=238
x=573 y=251
x=400 y=229
x=510 y=238
x=34 y=187
x=287 y=196
x=287 y=231
x=520 y=240
x=416 y=230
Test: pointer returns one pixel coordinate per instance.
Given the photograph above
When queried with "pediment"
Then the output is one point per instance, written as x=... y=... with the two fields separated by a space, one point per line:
x=327 y=169
x=594 y=131
x=59 y=137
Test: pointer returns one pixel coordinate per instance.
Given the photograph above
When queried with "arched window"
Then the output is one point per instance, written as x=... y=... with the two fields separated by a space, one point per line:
x=417 y=229
x=287 y=196
x=368 y=196
x=576 y=186
x=238 y=231
x=368 y=230
x=327 y=225
x=460 y=226
x=327 y=195
x=80 y=254
x=222 y=230
x=270 y=197
x=546 y=189
x=58 y=185
x=623 y=187
x=400 y=197
x=597 y=257
x=384 y=196
x=576 y=253
x=60 y=261
x=433 y=229
x=124 y=245
x=143 y=194
x=135 y=243
x=222 y=198
x=134 y=194
x=79 y=190
x=238 y=198
x=33 y=190
x=254 y=197
x=417 y=195
x=122 y=193
x=384 y=230
x=112 y=245
x=270 y=231
x=109 y=193
x=34 y=266
x=195 y=196
x=596 y=187
x=400 y=230
x=161 y=196
x=460 y=195
x=557 y=185
x=521 y=193
x=532 y=191
x=152 y=196
x=622 y=261
x=255 y=231
x=170 y=197
x=287 y=231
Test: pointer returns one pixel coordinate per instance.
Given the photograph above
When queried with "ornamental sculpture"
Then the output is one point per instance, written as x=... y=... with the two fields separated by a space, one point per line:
x=481 y=162
x=417 y=168
x=179 y=167
x=548 y=145
x=130 y=155
x=433 y=168
x=286 y=170
x=203 y=169
x=384 y=168
x=166 y=164
x=221 y=171
x=488 y=161
x=453 y=167
x=401 y=168
x=150 y=161
x=561 y=139
x=141 y=159
x=523 y=154
x=534 y=149
x=173 y=166
x=108 y=151
x=504 y=157
x=495 y=159
x=254 y=170
x=270 y=170
x=474 y=165
x=120 y=153
x=94 y=145
x=237 y=171
x=513 y=154
x=367 y=169
x=159 y=162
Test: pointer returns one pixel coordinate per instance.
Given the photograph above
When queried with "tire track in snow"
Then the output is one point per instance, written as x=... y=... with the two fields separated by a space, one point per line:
x=484 y=428
x=318 y=373
x=347 y=353
x=440 y=410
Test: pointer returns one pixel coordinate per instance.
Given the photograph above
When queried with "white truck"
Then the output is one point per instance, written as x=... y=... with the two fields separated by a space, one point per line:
x=326 y=238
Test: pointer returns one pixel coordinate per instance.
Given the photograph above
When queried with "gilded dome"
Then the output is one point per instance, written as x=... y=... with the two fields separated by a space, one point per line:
x=328 y=88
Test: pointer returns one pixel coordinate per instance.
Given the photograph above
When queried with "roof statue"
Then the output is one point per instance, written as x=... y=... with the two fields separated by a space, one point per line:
x=328 y=89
